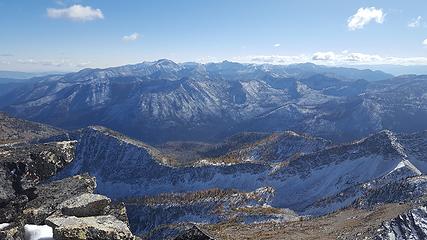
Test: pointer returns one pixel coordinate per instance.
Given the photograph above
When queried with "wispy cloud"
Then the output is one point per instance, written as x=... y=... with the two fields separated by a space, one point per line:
x=130 y=38
x=6 y=55
x=76 y=13
x=333 y=58
x=425 y=42
x=276 y=45
x=272 y=59
x=364 y=16
x=323 y=56
x=53 y=63
x=60 y=2
x=417 y=22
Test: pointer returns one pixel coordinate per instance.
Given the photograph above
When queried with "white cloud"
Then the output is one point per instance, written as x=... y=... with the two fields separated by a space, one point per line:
x=76 y=13
x=273 y=59
x=132 y=37
x=335 y=58
x=364 y=16
x=414 y=23
x=276 y=45
x=324 y=56
x=209 y=59
x=355 y=58
x=52 y=63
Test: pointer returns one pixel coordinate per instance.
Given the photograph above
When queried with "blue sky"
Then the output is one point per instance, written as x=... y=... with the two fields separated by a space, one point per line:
x=54 y=35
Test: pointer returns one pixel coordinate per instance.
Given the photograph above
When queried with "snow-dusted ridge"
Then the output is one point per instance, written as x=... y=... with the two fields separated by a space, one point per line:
x=160 y=158
x=124 y=167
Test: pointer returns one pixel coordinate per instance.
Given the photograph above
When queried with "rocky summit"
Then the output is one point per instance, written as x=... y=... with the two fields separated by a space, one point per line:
x=54 y=204
x=32 y=206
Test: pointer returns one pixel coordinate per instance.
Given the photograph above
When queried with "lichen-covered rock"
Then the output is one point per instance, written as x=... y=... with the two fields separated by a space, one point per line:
x=50 y=195
x=95 y=228
x=11 y=212
x=29 y=164
x=85 y=205
x=118 y=210
x=70 y=196
x=12 y=231
x=22 y=167
x=7 y=193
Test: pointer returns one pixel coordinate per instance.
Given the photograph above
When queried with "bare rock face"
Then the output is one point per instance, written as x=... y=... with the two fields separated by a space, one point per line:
x=194 y=233
x=85 y=205
x=95 y=227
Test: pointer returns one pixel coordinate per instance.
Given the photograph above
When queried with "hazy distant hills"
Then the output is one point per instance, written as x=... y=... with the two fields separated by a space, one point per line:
x=163 y=101
x=13 y=75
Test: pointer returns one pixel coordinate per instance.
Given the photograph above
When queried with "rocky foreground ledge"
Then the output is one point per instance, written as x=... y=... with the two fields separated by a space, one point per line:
x=64 y=210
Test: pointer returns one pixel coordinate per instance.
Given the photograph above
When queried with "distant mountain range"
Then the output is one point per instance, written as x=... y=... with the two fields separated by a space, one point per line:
x=396 y=69
x=165 y=101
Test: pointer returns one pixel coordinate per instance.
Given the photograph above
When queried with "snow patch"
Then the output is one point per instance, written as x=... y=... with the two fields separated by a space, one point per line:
x=400 y=165
x=38 y=232
x=4 y=225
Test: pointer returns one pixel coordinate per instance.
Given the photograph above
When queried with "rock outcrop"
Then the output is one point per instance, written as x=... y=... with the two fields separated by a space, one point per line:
x=51 y=195
x=85 y=205
x=70 y=208
x=96 y=227
x=88 y=216
x=24 y=166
